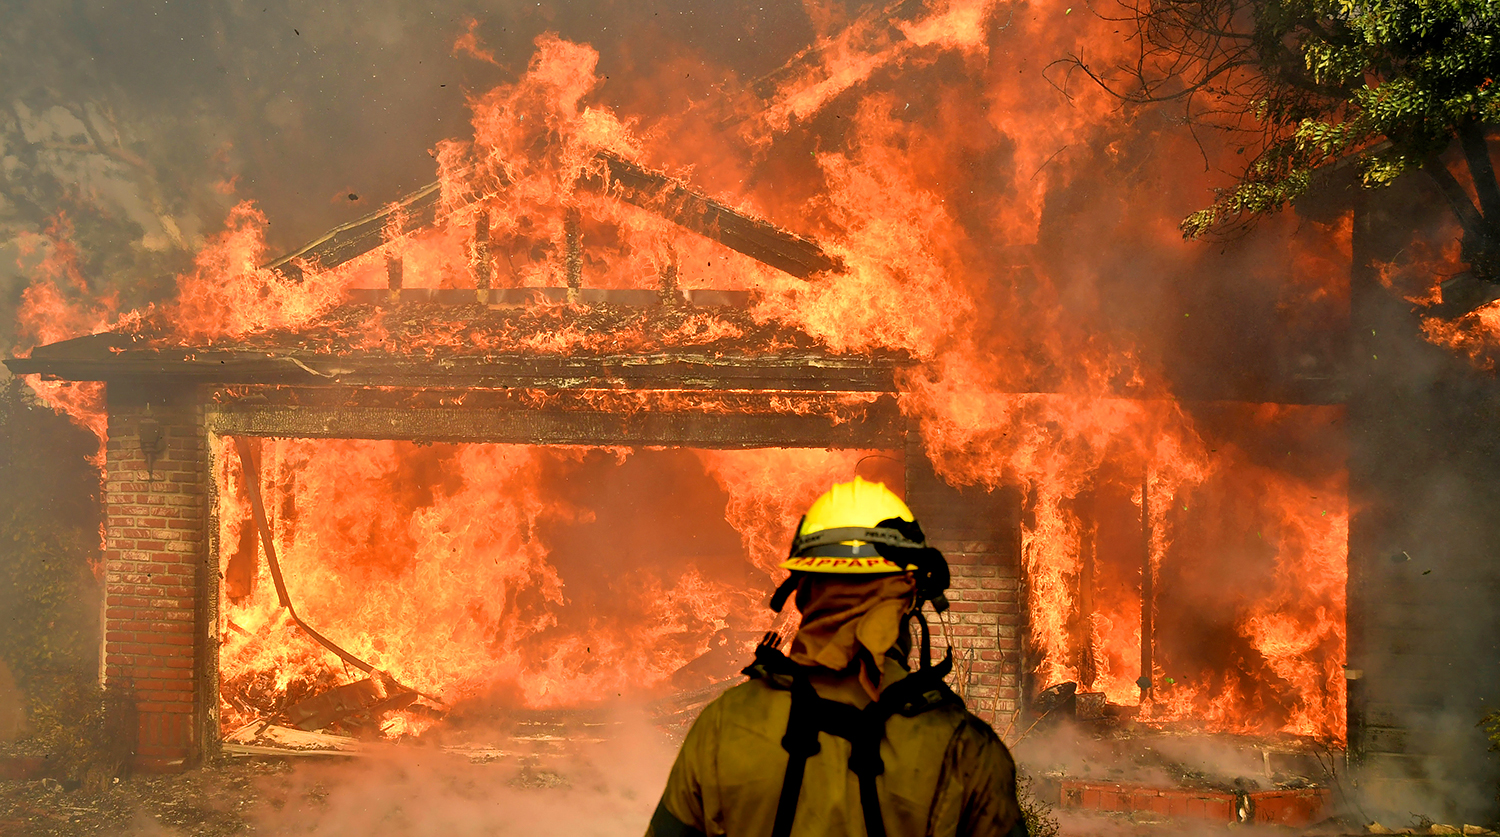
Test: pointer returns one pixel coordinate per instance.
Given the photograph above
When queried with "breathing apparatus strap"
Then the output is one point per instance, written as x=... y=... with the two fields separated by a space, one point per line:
x=928 y=566
x=862 y=728
x=785 y=590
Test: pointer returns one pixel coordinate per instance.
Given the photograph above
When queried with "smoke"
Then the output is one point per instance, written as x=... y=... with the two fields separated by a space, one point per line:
x=1039 y=252
x=605 y=789
x=606 y=786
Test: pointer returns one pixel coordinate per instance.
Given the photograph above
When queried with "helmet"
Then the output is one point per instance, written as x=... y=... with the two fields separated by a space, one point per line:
x=840 y=531
x=861 y=527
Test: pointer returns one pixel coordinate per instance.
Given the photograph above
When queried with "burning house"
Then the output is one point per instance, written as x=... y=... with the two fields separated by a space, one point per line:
x=229 y=506
x=535 y=437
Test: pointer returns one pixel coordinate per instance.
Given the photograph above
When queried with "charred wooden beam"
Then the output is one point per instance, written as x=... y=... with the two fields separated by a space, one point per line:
x=1088 y=670
x=110 y=357
x=480 y=258
x=395 y=275
x=846 y=406
x=632 y=183
x=1148 y=594
x=667 y=289
x=573 y=250
x=673 y=200
x=623 y=297
x=881 y=426
x=345 y=242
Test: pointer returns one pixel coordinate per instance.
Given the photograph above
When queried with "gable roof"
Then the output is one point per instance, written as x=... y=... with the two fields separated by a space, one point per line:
x=666 y=196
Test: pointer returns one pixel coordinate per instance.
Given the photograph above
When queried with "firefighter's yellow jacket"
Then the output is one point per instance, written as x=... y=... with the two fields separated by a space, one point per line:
x=945 y=771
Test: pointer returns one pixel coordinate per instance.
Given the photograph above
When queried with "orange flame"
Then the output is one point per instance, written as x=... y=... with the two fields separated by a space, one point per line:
x=937 y=205
x=456 y=587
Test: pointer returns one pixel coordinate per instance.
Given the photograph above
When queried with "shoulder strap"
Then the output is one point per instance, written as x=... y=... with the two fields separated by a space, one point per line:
x=864 y=729
x=800 y=743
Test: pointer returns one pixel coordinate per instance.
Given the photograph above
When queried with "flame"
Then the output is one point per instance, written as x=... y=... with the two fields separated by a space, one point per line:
x=468 y=44
x=443 y=564
x=226 y=295
x=1475 y=335
x=848 y=58
x=58 y=304
x=440 y=565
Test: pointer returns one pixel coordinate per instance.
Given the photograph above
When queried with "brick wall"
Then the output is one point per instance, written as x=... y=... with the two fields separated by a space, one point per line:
x=978 y=531
x=155 y=550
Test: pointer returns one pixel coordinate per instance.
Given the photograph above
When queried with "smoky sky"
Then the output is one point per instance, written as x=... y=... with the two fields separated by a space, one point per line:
x=322 y=111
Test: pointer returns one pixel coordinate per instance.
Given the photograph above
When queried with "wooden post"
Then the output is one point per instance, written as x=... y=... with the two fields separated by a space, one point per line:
x=667 y=286
x=481 y=257
x=573 y=254
x=1148 y=594
x=393 y=276
x=1088 y=529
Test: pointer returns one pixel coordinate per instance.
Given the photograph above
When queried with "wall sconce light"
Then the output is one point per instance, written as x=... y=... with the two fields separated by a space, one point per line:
x=153 y=441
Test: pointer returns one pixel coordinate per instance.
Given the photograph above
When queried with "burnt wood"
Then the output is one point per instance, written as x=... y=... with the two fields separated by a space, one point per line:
x=672 y=199
x=111 y=357
x=880 y=427
x=846 y=405
x=356 y=238
x=115 y=357
x=653 y=191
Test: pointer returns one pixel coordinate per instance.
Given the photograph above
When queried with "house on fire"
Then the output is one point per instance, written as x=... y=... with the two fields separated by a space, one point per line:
x=436 y=373
x=761 y=386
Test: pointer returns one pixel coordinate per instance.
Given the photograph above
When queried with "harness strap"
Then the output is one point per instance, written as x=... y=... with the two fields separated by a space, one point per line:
x=800 y=743
x=869 y=800
x=864 y=729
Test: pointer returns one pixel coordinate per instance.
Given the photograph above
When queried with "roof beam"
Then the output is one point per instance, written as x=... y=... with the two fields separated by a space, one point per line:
x=613 y=175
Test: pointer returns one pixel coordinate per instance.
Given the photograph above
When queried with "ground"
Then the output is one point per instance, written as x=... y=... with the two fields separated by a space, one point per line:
x=406 y=795
x=211 y=802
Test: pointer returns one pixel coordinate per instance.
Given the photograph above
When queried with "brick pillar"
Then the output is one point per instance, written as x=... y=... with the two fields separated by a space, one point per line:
x=979 y=532
x=155 y=550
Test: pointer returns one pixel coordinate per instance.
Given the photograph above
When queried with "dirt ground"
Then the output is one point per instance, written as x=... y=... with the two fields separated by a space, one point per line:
x=214 y=801
x=404 y=797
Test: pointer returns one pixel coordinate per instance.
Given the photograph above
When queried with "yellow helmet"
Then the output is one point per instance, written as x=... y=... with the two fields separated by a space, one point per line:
x=841 y=528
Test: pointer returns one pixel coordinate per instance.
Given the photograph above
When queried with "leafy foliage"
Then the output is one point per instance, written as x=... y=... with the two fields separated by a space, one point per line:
x=49 y=605
x=40 y=582
x=1309 y=86
x=1037 y=814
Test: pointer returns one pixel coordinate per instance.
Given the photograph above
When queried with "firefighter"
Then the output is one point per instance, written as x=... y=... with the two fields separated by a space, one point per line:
x=839 y=737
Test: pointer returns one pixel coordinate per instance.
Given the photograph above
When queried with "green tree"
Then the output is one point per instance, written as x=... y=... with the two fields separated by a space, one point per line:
x=1304 y=87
